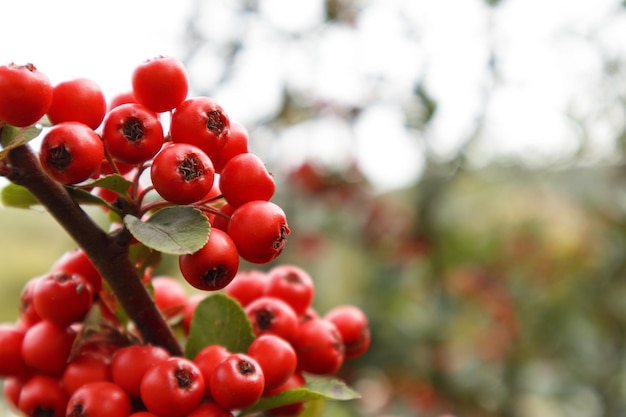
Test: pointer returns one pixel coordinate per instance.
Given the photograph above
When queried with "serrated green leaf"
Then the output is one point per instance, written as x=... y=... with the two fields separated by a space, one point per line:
x=219 y=319
x=316 y=388
x=114 y=182
x=14 y=195
x=12 y=137
x=173 y=230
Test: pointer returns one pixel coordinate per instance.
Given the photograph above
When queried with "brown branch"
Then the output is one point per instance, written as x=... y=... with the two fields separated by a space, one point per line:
x=108 y=252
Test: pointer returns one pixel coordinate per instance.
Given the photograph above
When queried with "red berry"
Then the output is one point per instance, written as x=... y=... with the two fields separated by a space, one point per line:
x=11 y=361
x=132 y=133
x=270 y=315
x=172 y=388
x=121 y=98
x=85 y=368
x=245 y=178
x=213 y=266
x=259 y=230
x=28 y=315
x=276 y=357
x=129 y=364
x=79 y=100
x=182 y=173
x=292 y=285
x=353 y=325
x=220 y=221
x=170 y=295
x=210 y=410
x=11 y=389
x=206 y=360
x=160 y=83
x=43 y=395
x=236 y=144
x=71 y=152
x=25 y=94
x=189 y=309
x=62 y=298
x=319 y=347
x=99 y=399
x=77 y=262
x=247 y=286
x=201 y=122
x=46 y=347
x=237 y=382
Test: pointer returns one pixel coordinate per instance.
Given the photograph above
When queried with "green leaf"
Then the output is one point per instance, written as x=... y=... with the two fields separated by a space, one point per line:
x=14 y=195
x=219 y=319
x=173 y=230
x=12 y=137
x=113 y=182
x=316 y=388
x=85 y=197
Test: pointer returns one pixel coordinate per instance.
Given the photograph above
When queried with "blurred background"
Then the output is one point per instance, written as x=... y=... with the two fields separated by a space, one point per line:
x=454 y=168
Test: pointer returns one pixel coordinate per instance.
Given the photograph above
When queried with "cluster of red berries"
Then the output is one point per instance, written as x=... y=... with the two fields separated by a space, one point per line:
x=56 y=363
x=202 y=160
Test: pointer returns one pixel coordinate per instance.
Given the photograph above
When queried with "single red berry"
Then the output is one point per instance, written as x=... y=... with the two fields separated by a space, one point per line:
x=77 y=262
x=296 y=380
x=353 y=326
x=206 y=360
x=62 y=298
x=25 y=94
x=129 y=364
x=43 y=395
x=170 y=295
x=259 y=230
x=83 y=369
x=236 y=144
x=245 y=178
x=247 y=286
x=121 y=98
x=202 y=122
x=71 y=152
x=291 y=284
x=270 y=315
x=11 y=361
x=210 y=410
x=213 y=266
x=132 y=133
x=237 y=382
x=161 y=83
x=172 y=388
x=99 y=399
x=46 y=347
x=319 y=347
x=276 y=357
x=182 y=173
x=78 y=100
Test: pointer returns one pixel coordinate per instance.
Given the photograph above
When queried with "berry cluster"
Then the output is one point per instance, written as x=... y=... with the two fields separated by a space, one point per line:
x=55 y=361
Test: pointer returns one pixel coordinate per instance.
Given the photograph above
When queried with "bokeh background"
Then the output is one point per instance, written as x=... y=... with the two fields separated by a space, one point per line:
x=454 y=168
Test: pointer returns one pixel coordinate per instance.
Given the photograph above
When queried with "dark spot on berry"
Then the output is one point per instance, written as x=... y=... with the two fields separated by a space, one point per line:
x=132 y=129
x=191 y=168
x=215 y=122
x=77 y=411
x=246 y=368
x=60 y=158
x=214 y=277
x=184 y=378
x=264 y=318
x=279 y=244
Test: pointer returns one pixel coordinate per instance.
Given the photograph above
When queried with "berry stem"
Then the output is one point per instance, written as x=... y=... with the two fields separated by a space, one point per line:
x=108 y=252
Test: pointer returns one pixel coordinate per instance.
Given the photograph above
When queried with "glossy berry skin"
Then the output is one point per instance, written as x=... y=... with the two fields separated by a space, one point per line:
x=78 y=100
x=247 y=286
x=99 y=399
x=270 y=315
x=353 y=325
x=160 y=84
x=259 y=230
x=71 y=152
x=132 y=133
x=25 y=94
x=62 y=298
x=210 y=410
x=170 y=295
x=245 y=178
x=202 y=122
x=77 y=262
x=11 y=362
x=236 y=144
x=27 y=313
x=206 y=360
x=43 y=395
x=172 y=388
x=46 y=347
x=129 y=364
x=276 y=357
x=293 y=285
x=83 y=369
x=237 y=382
x=319 y=347
x=182 y=173
x=220 y=221
x=213 y=266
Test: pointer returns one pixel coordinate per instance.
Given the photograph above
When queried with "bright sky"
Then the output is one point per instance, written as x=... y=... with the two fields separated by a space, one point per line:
x=549 y=63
